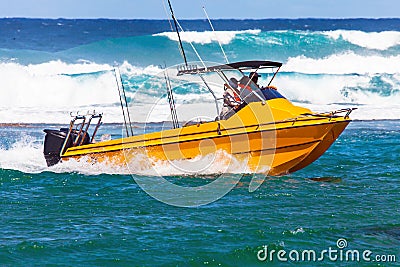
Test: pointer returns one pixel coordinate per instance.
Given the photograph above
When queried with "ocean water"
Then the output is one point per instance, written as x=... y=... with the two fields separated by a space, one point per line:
x=77 y=214
x=328 y=64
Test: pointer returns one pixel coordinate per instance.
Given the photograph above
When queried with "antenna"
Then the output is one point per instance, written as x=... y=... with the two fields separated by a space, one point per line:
x=177 y=31
x=216 y=37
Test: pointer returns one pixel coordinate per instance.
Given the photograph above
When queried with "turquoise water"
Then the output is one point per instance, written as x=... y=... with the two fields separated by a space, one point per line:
x=335 y=63
x=72 y=218
x=95 y=215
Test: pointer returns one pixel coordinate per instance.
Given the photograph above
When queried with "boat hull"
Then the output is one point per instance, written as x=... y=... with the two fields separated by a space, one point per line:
x=274 y=138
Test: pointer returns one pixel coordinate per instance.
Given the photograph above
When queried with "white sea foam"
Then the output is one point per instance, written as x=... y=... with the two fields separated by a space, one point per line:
x=297 y=231
x=130 y=70
x=327 y=89
x=216 y=163
x=323 y=93
x=26 y=155
x=45 y=85
x=46 y=93
x=363 y=112
x=207 y=37
x=141 y=164
x=344 y=64
x=371 y=40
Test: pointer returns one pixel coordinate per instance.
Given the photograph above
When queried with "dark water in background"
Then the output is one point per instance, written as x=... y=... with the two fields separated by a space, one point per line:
x=66 y=217
x=61 y=34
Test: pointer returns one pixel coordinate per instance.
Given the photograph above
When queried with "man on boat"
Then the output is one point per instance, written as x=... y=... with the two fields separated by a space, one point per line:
x=249 y=90
x=254 y=77
x=232 y=99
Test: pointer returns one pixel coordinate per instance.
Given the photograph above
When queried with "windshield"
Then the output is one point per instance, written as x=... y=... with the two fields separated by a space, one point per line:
x=250 y=92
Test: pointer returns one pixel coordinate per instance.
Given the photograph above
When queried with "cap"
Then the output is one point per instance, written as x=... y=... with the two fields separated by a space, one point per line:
x=233 y=83
x=254 y=74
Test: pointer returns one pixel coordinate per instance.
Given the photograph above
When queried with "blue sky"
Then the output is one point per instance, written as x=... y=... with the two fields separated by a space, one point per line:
x=153 y=9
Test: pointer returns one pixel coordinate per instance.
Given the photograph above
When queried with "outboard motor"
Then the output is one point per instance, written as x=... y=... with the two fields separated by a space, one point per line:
x=54 y=141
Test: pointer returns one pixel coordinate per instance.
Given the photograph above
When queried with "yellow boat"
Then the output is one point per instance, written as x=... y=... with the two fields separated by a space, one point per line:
x=264 y=130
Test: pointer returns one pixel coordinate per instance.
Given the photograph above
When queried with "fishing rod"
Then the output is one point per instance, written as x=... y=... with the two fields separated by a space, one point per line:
x=177 y=24
x=121 y=91
x=174 y=116
x=126 y=103
x=177 y=31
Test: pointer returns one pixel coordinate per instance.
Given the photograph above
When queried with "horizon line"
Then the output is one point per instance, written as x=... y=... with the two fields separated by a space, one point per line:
x=163 y=19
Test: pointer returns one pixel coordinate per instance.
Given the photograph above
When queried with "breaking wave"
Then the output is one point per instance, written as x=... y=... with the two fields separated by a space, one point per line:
x=322 y=69
x=371 y=40
x=346 y=63
x=47 y=92
x=207 y=37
